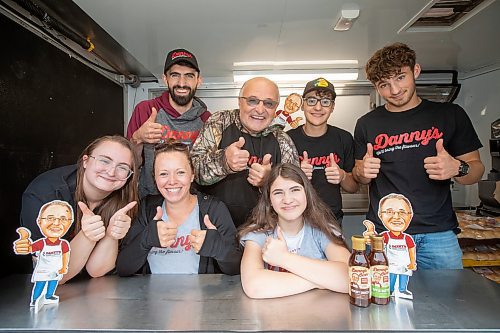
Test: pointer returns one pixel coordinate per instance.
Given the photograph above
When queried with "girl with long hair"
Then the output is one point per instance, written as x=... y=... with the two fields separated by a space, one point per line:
x=102 y=189
x=292 y=242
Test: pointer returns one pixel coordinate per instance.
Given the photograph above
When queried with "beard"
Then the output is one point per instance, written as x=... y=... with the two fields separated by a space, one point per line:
x=182 y=100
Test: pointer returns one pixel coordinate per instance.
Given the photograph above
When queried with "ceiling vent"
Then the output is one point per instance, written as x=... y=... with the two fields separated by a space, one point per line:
x=444 y=15
x=438 y=85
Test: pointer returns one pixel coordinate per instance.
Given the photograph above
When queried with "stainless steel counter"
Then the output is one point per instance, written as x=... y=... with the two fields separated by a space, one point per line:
x=444 y=300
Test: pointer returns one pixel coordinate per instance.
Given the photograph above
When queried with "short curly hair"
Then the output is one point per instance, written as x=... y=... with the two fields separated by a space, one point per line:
x=388 y=61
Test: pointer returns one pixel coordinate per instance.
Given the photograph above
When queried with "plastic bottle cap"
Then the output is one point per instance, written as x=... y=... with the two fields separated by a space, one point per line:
x=377 y=242
x=358 y=243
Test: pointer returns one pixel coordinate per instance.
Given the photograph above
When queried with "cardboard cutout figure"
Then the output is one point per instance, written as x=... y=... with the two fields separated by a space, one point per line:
x=395 y=212
x=54 y=219
x=292 y=104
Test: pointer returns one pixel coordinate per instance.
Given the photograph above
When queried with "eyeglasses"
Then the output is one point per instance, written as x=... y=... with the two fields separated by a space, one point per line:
x=254 y=101
x=103 y=163
x=171 y=145
x=391 y=212
x=52 y=219
x=312 y=101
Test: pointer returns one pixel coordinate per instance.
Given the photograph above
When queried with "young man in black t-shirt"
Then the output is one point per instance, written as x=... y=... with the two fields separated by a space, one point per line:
x=326 y=152
x=414 y=147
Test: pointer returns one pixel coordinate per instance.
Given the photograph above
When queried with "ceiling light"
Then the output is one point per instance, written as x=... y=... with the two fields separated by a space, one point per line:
x=347 y=16
x=290 y=76
x=307 y=63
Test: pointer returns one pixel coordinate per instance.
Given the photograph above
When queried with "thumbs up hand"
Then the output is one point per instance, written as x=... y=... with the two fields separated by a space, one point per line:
x=370 y=231
x=295 y=123
x=334 y=174
x=236 y=156
x=197 y=237
x=258 y=172
x=370 y=166
x=150 y=131
x=167 y=231
x=306 y=166
x=92 y=225
x=275 y=250
x=119 y=223
x=442 y=166
x=23 y=244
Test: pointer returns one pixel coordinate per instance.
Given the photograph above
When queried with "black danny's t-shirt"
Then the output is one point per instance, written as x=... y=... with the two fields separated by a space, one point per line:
x=336 y=141
x=402 y=140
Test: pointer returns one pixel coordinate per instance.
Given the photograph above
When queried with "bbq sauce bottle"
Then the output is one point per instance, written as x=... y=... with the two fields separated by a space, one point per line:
x=359 y=273
x=379 y=272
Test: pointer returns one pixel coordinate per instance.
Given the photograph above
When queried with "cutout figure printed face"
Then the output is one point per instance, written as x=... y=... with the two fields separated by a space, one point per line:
x=55 y=220
x=395 y=214
x=293 y=103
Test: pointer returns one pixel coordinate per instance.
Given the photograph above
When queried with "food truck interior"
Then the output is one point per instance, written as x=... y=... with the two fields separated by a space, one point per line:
x=74 y=70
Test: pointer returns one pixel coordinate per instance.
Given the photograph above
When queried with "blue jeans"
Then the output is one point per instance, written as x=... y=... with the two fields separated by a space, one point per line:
x=38 y=289
x=403 y=281
x=438 y=250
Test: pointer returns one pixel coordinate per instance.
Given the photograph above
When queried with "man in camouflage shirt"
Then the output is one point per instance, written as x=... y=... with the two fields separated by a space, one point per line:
x=236 y=148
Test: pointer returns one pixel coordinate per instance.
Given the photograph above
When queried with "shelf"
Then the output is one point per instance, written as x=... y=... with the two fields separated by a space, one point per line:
x=478 y=263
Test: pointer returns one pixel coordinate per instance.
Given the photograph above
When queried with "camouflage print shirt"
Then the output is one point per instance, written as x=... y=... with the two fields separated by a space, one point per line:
x=209 y=158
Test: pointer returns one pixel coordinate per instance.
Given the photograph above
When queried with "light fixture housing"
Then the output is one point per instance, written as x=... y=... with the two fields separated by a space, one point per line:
x=348 y=14
x=295 y=64
x=298 y=76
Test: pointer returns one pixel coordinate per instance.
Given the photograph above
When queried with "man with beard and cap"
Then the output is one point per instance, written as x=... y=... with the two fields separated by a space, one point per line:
x=176 y=114
x=237 y=148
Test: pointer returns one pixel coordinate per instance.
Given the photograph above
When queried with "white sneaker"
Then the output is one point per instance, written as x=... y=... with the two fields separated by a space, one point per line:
x=37 y=304
x=404 y=294
x=51 y=300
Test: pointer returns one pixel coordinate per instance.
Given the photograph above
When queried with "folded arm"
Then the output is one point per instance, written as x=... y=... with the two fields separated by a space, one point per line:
x=328 y=274
x=259 y=282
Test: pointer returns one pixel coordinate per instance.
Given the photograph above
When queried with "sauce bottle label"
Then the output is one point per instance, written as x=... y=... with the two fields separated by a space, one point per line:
x=380 y=281
x=360 y=282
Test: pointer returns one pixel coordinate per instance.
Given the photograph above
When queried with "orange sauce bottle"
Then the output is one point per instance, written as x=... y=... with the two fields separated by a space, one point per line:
x=359 y=273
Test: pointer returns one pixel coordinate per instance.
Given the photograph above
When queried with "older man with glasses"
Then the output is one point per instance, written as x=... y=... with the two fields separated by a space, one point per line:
x=395 y=212
x=326 y=152
x=236 y=148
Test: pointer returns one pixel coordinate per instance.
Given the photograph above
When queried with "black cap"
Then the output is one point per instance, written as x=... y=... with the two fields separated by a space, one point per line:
x=180 y=55
x=319 y=84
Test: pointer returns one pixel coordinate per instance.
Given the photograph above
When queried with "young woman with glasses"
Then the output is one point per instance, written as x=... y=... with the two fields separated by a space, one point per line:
x=292 y=242
x=103 y=186
x=180 y=231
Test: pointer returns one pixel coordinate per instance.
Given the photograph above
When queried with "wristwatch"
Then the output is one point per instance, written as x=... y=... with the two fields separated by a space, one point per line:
x=463 y=169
